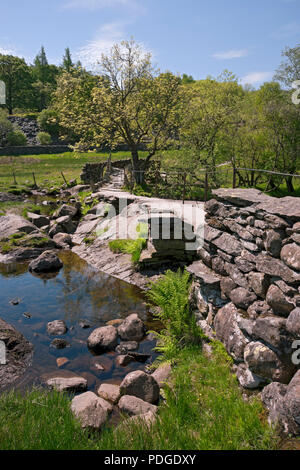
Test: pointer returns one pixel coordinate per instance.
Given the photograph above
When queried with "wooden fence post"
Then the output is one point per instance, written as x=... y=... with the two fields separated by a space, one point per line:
x=234 y=178
x=206 y=187
x=14 y=176
x=184 y=187
x=34 y=180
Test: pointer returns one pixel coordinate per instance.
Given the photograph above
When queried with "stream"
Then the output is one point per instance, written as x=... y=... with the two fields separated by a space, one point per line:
x=77 y=293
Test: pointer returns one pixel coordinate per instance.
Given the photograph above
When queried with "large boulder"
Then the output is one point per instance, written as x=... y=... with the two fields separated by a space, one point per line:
x=283 y=403
x=132 y=328
x=141 y=385
x=272 y=330
x=135 y=406
x=19 y=354
x=229 y=333
x=46 y=262
x=63 y=240
x=103 y=339
x=12 y=223
x=88 y=408
x=265 y=363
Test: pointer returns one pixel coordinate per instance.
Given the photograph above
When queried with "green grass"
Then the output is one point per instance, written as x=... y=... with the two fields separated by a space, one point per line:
x=132 y=247
x=39 y=420
x=48 y=168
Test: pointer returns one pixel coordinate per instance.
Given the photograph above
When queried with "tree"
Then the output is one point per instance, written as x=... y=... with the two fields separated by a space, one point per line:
x=15 y=73
x=44 y=76
x=289 y=70
x=131 y=103
x=67 y=61
x=208 y=113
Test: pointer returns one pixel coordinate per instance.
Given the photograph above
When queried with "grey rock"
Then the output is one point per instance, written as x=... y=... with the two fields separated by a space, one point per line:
x=64 y=240
x=66 y=210
x=57 y=327
x=278 y=302
x=19 y=353
x=12 y=223
x=264 y=362
x=242 y=298
x=259 y=283
x=132 y=328
x=228 y=332
x=103 y=339
x=293 y=322
x=59 y=343
x=271 y=330
x=135 y=406
x=141 y=385
x=65 y=381
x=259 y=308
x=247 y=379
x=229 y=244
x=162 y=374
x=290 y=254
x=272 y=266
x=46 y=262
x=110 y=392
x=273 y=243
x=227 y=286
x=88 y=408
x=38 y=220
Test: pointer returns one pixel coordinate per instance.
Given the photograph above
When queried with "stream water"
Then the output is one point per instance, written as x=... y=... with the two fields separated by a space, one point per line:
x=76 y=293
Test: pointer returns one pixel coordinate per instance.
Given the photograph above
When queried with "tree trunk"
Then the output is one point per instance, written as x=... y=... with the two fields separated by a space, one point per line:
x=289 y=184
x=138 y=167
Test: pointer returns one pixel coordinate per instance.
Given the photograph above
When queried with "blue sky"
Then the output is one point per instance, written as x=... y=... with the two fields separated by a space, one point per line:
x=197 y=37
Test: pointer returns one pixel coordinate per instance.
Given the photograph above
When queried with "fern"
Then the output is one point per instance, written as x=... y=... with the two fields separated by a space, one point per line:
x=171 y=294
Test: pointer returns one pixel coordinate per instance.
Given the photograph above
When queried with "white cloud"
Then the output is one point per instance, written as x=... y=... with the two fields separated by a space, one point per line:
x=232 y=54
x=7 y=51
x=256 y=77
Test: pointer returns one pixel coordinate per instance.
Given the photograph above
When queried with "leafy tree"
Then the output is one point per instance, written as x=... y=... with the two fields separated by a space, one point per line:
x=208 y=113
x=5 y=127
x=289 y=70
x=44 y=76
x=15 y=73
x=132 y=104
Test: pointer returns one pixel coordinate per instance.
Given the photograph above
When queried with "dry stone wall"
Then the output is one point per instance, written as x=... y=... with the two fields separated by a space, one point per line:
x=246 y=290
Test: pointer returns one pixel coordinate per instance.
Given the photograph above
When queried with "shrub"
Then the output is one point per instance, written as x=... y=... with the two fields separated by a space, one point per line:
x=5 y=127
x=48 y=121
x=44 y=138
x=16 y=138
